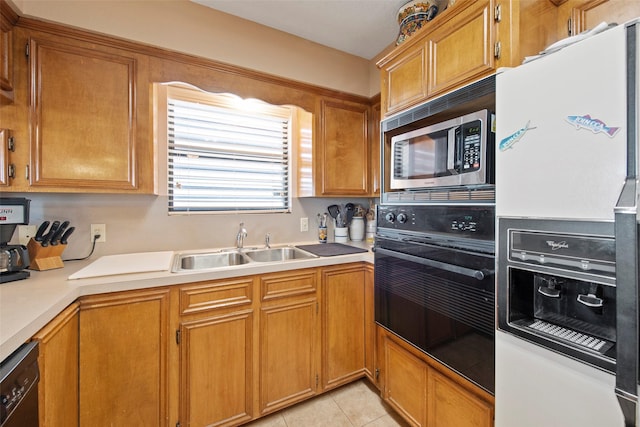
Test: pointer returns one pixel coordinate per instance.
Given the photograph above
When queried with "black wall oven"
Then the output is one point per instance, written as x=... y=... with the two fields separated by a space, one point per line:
x=435 y=283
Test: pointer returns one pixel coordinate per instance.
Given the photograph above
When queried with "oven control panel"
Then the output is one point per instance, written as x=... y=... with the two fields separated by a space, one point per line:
x=476 y=222
x=464 y=224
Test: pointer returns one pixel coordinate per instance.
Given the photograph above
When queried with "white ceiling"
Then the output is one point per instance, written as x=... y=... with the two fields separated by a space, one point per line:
x=360 y=27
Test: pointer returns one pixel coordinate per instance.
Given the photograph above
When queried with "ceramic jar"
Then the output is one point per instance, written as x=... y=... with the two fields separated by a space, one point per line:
x=356 y=229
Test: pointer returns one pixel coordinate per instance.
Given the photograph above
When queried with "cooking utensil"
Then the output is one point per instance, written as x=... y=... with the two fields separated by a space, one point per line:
x=350 y=211
x=334 y=211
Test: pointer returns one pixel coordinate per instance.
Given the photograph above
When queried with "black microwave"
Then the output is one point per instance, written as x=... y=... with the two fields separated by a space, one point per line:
x=454 y=153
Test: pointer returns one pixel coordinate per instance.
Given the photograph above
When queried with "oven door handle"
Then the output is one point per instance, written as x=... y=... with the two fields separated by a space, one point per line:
x=469 y=272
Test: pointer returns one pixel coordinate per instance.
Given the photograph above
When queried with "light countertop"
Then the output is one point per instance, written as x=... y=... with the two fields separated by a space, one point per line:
x=28 y=305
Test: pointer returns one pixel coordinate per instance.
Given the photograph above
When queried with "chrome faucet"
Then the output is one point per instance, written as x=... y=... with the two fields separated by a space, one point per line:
x=267 y=240
x=242 y=233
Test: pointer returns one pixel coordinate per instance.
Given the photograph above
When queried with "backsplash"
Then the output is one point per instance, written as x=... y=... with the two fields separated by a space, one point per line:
x=138 y=223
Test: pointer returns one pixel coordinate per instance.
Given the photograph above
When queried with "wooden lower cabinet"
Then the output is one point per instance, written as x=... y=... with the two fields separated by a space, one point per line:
x=288 y=352
x=123 y=359
x=215 y=338
x=452 y=405
x=426 y=393
x=405 y=387
x=216 y=361
x=58 y=363
x=215 y=353
x=343 y=324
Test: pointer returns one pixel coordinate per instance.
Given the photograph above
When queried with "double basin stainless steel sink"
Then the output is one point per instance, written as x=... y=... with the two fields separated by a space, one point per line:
x=228 y=258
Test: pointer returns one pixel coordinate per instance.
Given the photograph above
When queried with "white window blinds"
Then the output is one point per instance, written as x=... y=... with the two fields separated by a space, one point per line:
x=228 y=156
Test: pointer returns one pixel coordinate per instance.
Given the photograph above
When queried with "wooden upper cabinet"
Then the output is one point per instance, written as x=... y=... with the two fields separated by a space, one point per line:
x=457 y=47
x=461 y=49
x=375 y=149
x=8 y=19
x=342 y=151
x=576 y=16
x=464 y=43
x=404 y=79
x=83 y=116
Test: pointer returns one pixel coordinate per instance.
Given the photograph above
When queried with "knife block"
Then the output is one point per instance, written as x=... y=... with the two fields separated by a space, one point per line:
x=45 y=257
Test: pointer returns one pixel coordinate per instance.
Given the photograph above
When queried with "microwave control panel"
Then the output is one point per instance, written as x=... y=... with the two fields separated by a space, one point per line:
x=471 y=146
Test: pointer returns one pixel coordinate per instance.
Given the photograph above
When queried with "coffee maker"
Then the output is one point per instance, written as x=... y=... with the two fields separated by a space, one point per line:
x=14 y=259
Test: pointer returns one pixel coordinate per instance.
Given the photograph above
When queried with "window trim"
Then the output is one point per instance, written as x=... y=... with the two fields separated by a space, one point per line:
x=163 y=91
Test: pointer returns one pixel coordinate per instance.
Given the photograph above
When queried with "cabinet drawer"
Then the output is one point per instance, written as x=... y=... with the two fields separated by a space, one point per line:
x=205 y=296
x=287 y=284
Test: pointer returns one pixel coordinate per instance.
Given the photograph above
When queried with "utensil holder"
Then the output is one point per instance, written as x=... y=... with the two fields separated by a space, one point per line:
x=45 y=257
x=340 y=234
x=356 y=229
x=322 y=234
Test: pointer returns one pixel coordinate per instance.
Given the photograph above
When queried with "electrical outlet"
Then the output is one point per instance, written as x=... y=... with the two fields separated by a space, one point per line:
x=100 y=229
x=26 y=232
x=304 y=224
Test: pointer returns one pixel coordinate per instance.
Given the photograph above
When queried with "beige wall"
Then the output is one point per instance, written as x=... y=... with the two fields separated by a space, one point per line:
x=192 y=28
x=138 y=223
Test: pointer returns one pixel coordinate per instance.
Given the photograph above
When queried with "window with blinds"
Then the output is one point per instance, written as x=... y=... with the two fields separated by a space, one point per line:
x=226 y=154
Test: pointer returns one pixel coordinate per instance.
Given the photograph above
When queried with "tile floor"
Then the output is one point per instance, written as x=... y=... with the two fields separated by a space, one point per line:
x=354 y=405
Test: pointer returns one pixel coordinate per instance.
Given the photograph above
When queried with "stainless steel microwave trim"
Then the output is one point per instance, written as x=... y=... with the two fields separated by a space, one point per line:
x=475 y=177
x=472 y=97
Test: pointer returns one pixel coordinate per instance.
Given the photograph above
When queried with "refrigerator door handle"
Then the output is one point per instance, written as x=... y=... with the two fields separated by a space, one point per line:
x=626 y=236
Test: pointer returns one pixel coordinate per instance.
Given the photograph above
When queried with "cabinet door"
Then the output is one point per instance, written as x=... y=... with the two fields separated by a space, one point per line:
x=452 y=405
x=83 y=117
x=58 y=363
x=375 y=149
x=405 y=383
x=343 y=324
x=8 y=18
x=577 y=16
x=404 y=79
x=216 y=370
x=370 y=344
x=342 y=164
x=288 y=352
x=123 y=359
x=461 y=48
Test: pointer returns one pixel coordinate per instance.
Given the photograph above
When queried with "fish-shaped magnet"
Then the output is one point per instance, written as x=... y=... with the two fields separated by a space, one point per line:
x=508 y=142
x=594 y=125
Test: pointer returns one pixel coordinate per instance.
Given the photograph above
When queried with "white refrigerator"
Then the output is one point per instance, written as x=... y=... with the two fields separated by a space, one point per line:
x=567 y=149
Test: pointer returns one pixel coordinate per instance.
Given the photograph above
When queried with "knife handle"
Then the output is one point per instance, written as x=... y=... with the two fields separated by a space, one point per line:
x=58 y=234
x=65 y=236
x=47 y=239
x=40 y=233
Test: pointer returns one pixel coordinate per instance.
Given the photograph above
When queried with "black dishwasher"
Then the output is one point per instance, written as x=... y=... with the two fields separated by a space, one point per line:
x=19 y=376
